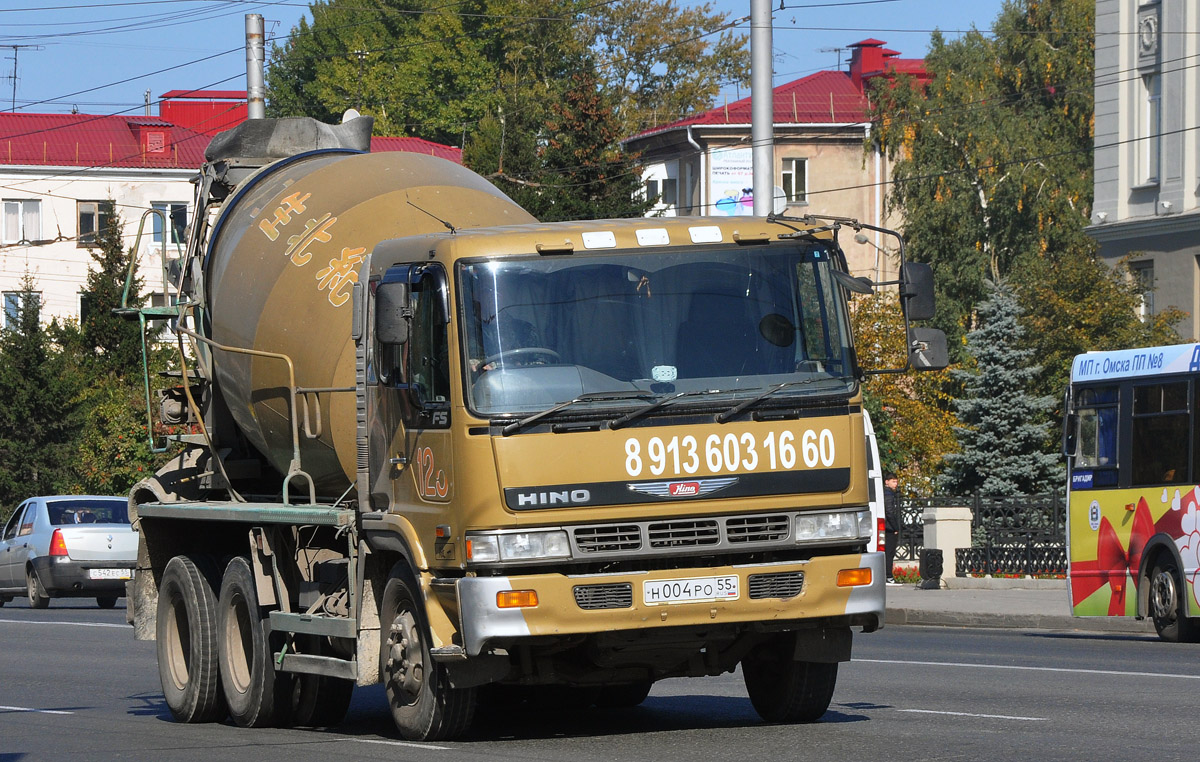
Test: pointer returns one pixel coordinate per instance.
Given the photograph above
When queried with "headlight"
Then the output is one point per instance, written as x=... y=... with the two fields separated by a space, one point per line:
x=518 y=546
x=844 y=525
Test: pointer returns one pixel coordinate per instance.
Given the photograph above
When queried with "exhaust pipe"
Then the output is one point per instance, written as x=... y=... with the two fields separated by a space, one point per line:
x=256 y=90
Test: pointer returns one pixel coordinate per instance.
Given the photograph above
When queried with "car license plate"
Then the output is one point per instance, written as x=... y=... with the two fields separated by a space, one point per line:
x=110 y=573
x=659 y=591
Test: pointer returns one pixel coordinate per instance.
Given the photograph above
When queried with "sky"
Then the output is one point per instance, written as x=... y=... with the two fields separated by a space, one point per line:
x=101 y=56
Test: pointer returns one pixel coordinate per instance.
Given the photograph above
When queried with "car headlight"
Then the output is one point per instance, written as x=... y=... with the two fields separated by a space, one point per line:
x=518 y=546
x=843 y=525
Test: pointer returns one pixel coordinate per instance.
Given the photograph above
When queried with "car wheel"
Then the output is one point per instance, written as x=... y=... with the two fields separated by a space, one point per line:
x=784 y=690
x=423 y=705
x=38 y=599
x=257 y=695
x=106 y=601
x=186 y=633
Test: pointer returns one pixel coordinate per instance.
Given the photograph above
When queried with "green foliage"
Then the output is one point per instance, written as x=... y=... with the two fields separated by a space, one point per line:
x=1001 y=441
x=112 y=343
x=112 y=450
x=40 y=414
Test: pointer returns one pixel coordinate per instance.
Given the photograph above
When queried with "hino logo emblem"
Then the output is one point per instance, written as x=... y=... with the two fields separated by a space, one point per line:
x=693 y=488
x=554 y=497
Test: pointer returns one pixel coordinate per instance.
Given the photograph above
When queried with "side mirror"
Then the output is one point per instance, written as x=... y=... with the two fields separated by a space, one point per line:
x=916 y=290
x=927 y=349
x=852 y=284
x=392 y=313
x=1070 y=443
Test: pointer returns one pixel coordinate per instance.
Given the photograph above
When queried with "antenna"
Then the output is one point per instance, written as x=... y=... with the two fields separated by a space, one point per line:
x=833 y=50
x=13 y=76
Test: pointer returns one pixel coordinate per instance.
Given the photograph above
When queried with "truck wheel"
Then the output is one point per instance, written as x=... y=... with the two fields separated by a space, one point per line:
x=424 y=706
x=33 y=588
x=319 y=701
x=1167 y=605
x=256 y=694
x=186 y=634
x=106 y=601
x=783 y=690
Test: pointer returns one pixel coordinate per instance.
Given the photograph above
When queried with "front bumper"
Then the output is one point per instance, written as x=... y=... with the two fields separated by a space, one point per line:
x=485 y=625
x=69 y=578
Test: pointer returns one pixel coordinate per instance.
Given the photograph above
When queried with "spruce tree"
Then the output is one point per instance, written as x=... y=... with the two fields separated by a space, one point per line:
x=1004 y=431
x=114 y=343
x=38 y=419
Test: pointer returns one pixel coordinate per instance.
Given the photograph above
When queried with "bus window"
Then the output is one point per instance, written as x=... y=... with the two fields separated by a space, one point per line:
x=1097 y=435
x=1161 y=430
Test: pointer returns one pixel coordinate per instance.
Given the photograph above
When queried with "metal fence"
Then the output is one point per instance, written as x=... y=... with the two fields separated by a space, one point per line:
x=1023 y=535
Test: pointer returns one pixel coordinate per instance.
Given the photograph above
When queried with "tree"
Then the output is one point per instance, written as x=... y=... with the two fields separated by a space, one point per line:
x=113 y=343
x=914 y=426
x=1004 y=430
x=40 y=414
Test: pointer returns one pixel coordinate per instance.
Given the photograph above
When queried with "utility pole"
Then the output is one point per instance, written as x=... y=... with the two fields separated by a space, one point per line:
x=762 y=107
x=362 y=56
x=15 y=50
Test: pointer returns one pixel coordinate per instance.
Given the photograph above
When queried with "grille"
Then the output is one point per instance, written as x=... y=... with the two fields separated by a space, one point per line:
x=785 y=585
x=757 y=528
x=608 y=539
x=618 y=596
x=679 y=534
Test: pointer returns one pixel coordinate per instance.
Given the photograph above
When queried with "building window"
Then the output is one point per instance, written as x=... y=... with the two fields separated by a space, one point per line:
x=652 y=190
x=93 y=218
x=795 y=180
x=176 y=214
x=22 y=220
x=1143 y=276
x=1152 y=127
x=12 y=306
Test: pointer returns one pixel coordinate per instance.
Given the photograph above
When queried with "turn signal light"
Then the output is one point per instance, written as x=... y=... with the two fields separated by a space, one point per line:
x=58 y=546
x=853 y=577
x=516 y=599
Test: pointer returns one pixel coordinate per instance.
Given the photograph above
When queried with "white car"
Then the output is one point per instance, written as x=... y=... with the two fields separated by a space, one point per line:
x=67 y=546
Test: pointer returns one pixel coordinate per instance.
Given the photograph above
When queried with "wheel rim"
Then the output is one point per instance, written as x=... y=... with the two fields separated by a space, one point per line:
x=177 y=644
x=406 y=666
x=1162 y=596
x=29 y=589
x=239 y=644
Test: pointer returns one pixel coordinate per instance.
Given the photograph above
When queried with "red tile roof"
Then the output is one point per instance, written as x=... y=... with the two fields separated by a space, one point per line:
x=81 y=140
x=416 y=145
x=822 y=98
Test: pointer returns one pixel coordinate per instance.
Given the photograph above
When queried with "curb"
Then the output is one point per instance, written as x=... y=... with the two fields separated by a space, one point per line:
x=1128 y=625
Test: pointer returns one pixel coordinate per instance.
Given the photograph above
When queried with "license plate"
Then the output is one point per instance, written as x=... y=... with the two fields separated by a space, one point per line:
x=659 y=591
x=110 y=573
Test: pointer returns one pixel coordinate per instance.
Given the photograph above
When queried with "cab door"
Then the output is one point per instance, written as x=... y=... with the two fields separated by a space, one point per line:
x=12 y=554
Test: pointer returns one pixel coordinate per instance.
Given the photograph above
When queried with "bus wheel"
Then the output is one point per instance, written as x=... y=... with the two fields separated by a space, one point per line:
x=1167 y=607
x=783 y=690
x=186 y=634
x=424 y=706
x=256 y=694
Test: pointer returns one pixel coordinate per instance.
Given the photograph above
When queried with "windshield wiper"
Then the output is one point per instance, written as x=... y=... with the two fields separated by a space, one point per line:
x=617 y=423
x=734 y=411
x=516 y=426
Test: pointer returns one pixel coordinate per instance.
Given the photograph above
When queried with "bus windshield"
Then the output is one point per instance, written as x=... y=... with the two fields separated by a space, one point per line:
x=724 y=320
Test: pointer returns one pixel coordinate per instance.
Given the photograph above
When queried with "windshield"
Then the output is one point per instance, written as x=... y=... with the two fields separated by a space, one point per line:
x=542 y=331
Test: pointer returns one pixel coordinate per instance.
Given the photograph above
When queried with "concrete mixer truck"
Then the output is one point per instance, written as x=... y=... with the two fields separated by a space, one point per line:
x=424 y=440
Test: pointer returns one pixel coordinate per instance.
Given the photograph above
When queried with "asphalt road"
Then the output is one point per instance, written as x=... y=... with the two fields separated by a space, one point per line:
x=74 y=684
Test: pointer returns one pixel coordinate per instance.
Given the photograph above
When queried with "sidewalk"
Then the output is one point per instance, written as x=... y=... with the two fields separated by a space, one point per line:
x=1018 y=603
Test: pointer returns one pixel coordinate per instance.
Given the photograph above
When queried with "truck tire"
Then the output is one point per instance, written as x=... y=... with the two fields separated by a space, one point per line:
x=1167 y=607
x=623 y=696
x=784 y=690
x=257 y=695
x=38 y=599
x=319 y=701
x=186 y=634
x=424 y=706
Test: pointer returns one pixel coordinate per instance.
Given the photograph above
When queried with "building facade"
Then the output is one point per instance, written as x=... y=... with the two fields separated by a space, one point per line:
x=63 y=175
x=702 y=165
x=1147 y=148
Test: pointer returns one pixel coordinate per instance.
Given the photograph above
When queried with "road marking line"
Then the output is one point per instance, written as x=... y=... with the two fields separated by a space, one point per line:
x=68 y=624
x=35 y=711
x=1119 y=673
x=968 y=714
x=402 y=743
